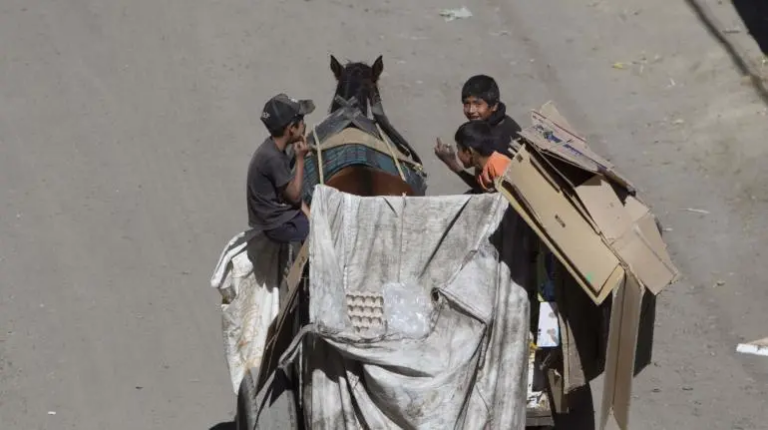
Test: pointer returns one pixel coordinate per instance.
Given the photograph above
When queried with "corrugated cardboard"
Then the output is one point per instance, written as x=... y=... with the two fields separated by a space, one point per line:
x=589 y=217
x=542 y=203
x=564 y=143
x=584 y=210
x=620 y=356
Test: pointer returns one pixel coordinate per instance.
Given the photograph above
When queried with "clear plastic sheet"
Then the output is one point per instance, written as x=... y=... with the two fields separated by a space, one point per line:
x=408 y=310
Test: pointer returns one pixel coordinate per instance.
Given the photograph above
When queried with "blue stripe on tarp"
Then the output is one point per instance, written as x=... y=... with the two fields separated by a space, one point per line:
x=337 y=158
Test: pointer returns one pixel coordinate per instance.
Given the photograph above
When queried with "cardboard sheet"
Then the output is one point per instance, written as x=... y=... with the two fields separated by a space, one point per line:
x=561 y=225
x=620 y=357
x=606 y=238
x=599 y=228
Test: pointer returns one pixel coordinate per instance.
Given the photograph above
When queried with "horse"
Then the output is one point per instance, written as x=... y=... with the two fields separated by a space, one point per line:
x=365 y=155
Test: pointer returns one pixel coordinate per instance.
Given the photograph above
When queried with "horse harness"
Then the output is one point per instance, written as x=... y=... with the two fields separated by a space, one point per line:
x=355 y=136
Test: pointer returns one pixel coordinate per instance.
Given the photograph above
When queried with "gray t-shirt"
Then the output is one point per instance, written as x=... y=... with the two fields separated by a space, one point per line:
x=268 y=172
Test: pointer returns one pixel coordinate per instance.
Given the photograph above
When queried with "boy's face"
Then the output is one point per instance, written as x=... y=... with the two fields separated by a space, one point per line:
x=465 y=156
x=296 y=131
x=475 y=108
x=477 y=160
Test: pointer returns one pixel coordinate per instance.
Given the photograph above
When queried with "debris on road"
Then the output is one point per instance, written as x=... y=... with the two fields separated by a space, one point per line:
x=698 y=211
x=453 y=14
x=51 y=412
x=758 y=347
x=641 y=63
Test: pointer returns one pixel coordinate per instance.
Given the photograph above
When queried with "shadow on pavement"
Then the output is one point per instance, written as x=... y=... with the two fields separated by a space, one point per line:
x=745 y=65
x=754 y=14
x=228 y=425
x=582 y=414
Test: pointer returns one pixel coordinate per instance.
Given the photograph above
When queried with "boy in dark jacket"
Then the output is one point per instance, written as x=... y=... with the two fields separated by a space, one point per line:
x=480 y=96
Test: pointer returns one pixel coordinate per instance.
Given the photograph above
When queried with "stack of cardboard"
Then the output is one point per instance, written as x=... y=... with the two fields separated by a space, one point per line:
x=606 y=238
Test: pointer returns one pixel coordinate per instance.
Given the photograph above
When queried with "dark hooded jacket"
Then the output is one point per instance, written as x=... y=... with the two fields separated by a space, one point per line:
x=504 y=128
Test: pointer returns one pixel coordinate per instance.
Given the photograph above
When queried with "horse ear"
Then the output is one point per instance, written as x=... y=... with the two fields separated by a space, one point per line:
x=336 y=67
x=378 y=67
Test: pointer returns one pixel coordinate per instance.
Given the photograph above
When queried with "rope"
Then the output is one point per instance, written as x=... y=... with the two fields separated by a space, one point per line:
x=355 y=136
x=391 y=151
x=319 y=155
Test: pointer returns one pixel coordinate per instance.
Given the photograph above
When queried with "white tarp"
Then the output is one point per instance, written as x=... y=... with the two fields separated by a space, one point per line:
x=247 y=277
x=436 y=258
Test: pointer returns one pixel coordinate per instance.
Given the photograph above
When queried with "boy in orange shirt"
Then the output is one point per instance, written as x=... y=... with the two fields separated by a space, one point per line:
x=477 y=147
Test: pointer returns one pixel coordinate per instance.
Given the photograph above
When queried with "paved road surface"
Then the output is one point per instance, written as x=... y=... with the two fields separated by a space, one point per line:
x=126 y=128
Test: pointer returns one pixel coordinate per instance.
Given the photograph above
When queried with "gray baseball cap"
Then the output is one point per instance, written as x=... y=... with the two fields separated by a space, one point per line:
x=281 y=110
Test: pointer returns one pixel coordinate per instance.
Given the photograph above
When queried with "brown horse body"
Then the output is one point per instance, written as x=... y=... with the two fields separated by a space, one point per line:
x=365 y=181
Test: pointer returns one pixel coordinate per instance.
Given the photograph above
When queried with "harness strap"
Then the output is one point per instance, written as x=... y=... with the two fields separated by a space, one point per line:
x=356 y=136
x=319 y=155
x=391 y=151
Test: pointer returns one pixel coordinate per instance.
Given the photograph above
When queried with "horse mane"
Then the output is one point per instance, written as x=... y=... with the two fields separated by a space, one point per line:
x=354 y=83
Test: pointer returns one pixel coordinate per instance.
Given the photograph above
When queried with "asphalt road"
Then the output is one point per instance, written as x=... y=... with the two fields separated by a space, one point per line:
x=126 y=128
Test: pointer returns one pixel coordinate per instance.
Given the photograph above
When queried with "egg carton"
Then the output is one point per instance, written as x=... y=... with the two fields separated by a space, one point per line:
x=366 y=311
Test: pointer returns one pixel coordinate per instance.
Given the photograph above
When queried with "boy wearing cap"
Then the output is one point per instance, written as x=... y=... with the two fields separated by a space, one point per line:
x=273 y=191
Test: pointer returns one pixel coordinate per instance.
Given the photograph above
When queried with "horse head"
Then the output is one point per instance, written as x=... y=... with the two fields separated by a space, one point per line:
x=358 y=81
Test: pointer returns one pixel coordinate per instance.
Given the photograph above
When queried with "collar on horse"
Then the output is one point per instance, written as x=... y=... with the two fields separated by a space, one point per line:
x=343 y=103
x=351 y=110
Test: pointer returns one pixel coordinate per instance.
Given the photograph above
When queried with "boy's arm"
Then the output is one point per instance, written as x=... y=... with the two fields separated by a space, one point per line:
x=305 y=209
x=292 y=191
x=446 y=154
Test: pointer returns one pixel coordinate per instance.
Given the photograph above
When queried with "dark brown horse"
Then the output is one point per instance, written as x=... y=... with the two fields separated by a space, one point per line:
x=358 y=82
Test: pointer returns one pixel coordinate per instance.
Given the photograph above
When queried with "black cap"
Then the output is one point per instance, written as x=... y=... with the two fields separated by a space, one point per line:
x=281 y=110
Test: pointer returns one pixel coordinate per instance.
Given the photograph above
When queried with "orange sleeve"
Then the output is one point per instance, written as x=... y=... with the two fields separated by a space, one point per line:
x=499 y=163
x=495 y=167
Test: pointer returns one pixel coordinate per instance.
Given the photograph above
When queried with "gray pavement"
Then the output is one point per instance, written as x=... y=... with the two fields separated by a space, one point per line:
x=126 y=128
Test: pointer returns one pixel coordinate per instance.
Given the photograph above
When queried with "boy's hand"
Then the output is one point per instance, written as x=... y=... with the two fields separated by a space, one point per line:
x=447 y=155
x=301 y=148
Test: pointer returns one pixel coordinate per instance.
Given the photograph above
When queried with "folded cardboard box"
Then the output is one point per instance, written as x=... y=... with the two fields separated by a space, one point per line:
x=585 y=212
x=590 y=218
